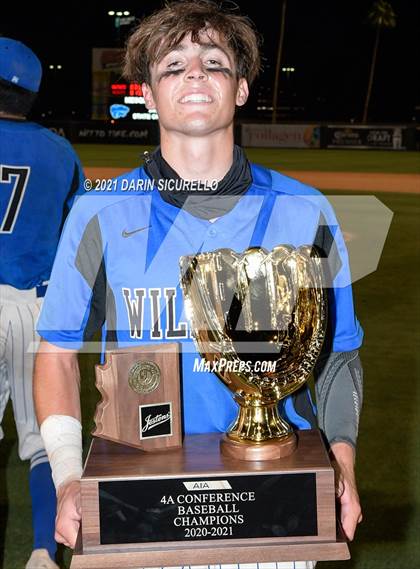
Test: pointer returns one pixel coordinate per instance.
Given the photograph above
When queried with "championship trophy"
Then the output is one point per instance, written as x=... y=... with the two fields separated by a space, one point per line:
x=259 y=493
x=254 y=305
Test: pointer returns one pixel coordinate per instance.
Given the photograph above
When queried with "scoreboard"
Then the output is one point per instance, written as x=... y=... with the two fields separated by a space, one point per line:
x=112 y=97
x=126 y=101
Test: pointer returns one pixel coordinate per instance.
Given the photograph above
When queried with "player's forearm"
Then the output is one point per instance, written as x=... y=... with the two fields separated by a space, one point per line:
x=56 y=383
x=344 y=455
x=339 y=394
x=343 y=458
x=57 y=402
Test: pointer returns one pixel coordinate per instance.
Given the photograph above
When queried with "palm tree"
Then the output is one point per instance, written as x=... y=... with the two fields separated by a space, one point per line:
x=380 y=16
x=277 y=71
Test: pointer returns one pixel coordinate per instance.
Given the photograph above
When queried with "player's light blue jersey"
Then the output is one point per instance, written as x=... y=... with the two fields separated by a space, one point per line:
x=118 y=268
x=39 y=176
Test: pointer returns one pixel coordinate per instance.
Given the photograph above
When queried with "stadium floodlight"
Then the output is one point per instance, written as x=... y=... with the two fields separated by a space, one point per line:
x=119 y=13
x=51 y=66
x=126 y=13
x=111 y=13
x=59 y=67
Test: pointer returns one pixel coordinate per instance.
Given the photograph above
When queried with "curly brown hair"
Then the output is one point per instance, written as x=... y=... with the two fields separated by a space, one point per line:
x=160 y=32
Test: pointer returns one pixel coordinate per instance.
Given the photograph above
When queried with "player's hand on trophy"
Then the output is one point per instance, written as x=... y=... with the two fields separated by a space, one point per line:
x=346 y=488
x=69 y=512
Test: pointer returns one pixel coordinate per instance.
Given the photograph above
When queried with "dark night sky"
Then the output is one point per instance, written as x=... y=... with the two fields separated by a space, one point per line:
x=328 y=42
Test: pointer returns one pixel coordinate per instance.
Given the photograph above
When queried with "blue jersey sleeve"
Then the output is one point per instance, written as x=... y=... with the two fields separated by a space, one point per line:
x=345 y=332
x=66 y=306
x=78 y=184
x=76 y=300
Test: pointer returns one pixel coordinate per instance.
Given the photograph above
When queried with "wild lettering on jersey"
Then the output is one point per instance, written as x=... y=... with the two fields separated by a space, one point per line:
x=161 y=306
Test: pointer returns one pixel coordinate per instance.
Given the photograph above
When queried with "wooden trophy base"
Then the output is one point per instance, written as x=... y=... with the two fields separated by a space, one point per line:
x=258 y=451
x=194 y=506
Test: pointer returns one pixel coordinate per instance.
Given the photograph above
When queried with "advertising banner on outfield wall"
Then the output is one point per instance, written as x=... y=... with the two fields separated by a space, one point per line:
x=281 y=135
x=344 y=136
x=142 y=132
x=129 y=133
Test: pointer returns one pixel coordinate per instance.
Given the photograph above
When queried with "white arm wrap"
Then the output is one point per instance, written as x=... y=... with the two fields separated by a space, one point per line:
x=62 y=436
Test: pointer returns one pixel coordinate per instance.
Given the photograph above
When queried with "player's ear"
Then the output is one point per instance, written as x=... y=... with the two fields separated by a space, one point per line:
x=148 y=96
x=242 y=92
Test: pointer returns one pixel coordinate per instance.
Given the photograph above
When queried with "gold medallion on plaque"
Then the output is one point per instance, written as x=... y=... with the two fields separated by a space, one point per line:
x=144 y=376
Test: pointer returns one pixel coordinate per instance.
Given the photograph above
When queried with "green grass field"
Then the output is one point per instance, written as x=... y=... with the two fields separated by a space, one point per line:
x=388 y=306
x=130 y=156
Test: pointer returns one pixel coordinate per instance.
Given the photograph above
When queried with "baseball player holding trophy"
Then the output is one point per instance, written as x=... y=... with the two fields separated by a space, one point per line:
x=117 y=268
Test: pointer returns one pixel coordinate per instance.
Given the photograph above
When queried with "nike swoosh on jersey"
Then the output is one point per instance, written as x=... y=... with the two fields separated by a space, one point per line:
x=126 y=233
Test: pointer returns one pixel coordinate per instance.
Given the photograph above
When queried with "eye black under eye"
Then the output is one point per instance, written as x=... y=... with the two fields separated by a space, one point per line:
x=170 y=72
x=225 y=70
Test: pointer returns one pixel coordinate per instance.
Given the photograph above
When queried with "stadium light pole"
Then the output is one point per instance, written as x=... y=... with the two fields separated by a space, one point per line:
x=279 y=53
x=119 y=19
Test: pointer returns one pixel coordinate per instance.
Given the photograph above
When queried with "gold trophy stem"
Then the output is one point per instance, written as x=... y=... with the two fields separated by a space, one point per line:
x=259 y=433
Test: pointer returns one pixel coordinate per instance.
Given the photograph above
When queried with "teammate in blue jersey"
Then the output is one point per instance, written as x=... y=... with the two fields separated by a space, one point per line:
x=39 y=176
x=117 y=268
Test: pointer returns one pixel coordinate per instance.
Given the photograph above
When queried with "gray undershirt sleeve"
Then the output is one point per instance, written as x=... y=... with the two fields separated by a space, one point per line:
x=339 y=395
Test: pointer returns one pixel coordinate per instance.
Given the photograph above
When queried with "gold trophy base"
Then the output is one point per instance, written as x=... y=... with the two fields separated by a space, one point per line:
x=267 y=450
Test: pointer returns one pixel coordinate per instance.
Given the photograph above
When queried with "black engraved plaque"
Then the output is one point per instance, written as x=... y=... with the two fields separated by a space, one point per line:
x=248 y=506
